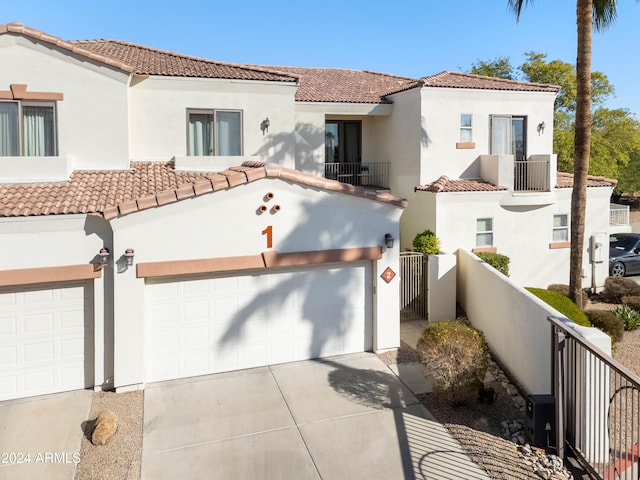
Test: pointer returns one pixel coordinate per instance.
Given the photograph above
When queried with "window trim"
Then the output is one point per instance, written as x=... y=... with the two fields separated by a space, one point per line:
x=21 y=103
x=485 y=232
x=560 y=243
x=213 y=112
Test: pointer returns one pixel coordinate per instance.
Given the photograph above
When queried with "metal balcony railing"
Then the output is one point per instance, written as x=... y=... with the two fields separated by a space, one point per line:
x=531 y=176
x=370 y=175
x=597 y=407
x=618 y=214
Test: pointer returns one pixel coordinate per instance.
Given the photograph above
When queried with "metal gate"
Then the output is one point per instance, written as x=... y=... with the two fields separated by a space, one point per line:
x=413 y=285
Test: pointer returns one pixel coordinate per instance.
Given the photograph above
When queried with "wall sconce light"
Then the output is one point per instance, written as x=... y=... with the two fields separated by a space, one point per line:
x=104 y=256
x=388 y=240
x=541 y=127
x=128 y=256
x=264 y=125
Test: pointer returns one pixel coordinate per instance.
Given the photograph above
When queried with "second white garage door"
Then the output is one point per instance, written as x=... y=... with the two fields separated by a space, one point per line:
x=201 y=325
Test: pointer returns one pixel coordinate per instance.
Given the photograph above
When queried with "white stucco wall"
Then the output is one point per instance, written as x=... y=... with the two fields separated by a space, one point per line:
x=158 y=111
x=226 y=224
x=441 y=110
x=523 y=233
x=514 y=322
x=92 y=120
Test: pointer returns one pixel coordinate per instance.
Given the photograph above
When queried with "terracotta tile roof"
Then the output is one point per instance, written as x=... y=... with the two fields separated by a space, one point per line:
x=468 y=80
x=445 y=185
x=150 y=61
x=19 y=28
x=146 y=185
x=345 y=86
x=565 y=180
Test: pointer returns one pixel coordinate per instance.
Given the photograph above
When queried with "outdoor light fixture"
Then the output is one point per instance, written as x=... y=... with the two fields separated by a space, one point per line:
x=264 y=125
x=128 y=256
x=388 y=240
x=104 y=256
x=541 y=127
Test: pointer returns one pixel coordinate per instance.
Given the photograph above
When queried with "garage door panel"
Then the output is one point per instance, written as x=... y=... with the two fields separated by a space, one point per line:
x=234 y=321
x=46 y=339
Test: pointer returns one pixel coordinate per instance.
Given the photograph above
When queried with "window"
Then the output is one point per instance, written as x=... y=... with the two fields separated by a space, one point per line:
x=508 y=136
x=560 y=228
x=484 y=232
x=465 y=128
x=342 y=142
x=214 y=132
x=27 y=128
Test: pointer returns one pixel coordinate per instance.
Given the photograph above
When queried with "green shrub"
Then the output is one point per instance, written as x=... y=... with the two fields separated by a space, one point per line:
x=563 y=304
x=496 y=260
x=629 y=316
x=608 y=322
x=617 y=287
x=457 y=357
x=426 y=242
x=564 y=290
x=632 y=300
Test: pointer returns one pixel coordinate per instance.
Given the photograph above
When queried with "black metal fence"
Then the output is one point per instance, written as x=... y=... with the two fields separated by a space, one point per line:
x=413 y=283
x=597 y=407
x=371 y=175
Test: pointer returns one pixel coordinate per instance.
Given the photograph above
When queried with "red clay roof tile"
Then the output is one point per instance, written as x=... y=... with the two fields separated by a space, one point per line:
x=145 y=185
x=469 y=80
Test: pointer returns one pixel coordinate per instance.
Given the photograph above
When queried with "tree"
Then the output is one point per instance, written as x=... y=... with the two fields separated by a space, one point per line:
x=500 y=67
x=598 y=14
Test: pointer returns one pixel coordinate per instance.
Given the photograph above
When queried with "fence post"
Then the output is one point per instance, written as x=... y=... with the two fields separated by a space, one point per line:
x=558 y=388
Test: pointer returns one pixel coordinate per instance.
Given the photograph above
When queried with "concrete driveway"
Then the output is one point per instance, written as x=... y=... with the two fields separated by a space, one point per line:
x=343 y=417
x=40 y=437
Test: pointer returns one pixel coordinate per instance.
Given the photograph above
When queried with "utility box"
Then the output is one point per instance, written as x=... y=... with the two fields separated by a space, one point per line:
x=539 y=421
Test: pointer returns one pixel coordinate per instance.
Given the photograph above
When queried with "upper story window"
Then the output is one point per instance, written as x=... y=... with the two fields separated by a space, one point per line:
x=214 y=132
x=27 y=128
x=466 y=131
x=509 y=136
x=484 y=232
x=561 y=228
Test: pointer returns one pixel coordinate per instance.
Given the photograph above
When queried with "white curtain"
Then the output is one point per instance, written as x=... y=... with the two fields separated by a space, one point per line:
x=38 y=131
x=228 y=129
x=501 y=135
x=200 y=134
x=9 y=139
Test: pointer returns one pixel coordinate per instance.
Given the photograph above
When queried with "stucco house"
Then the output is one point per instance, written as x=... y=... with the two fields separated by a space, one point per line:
x=129 y=258
x=164 y=216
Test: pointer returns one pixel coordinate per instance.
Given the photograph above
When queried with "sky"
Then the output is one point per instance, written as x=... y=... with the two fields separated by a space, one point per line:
x=410 y=38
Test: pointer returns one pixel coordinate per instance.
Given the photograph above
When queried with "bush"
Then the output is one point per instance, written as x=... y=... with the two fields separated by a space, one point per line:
x=457 y=357
x=564 y=290
x=617 y=287
x=629 y=316
x=608 y=322
x=632 y=300
x=496 y=260
x=563 y=304
x=426 y=242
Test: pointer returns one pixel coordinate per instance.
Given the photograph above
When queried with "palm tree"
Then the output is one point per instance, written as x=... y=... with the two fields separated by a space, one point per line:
x=590 y=14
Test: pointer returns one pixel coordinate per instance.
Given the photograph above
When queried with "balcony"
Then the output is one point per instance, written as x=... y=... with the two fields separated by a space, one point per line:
x=618 y=215
x=370 y=175
x=531 y=176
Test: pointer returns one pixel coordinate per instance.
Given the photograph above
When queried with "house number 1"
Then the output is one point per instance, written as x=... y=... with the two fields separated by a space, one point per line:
x=269 y=233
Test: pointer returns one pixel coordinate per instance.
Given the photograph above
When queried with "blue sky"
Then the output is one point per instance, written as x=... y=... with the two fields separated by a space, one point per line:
x=411 y=38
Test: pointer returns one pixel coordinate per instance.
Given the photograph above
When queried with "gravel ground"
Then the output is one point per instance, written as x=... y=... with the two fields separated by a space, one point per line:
x=120 y=458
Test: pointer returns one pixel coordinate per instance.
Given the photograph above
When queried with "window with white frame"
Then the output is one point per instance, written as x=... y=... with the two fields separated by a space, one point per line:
x=466 y=130
x=214 y=132
x=27 y=128
x=484 y=232
x=561 y=228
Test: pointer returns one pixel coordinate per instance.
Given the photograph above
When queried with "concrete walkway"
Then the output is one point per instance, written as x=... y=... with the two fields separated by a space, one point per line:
x=40 y=436
x=337 y=418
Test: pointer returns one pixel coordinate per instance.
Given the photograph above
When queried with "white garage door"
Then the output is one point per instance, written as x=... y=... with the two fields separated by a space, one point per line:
x=46 y=339
x=227 y=322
